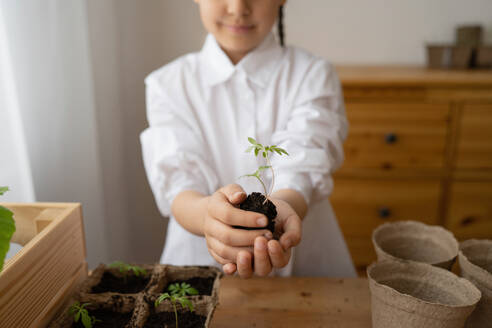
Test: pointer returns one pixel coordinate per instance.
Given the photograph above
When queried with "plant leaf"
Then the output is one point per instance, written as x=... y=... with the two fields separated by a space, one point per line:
x=283 y=151
x=86 y=320
x=161 y=299
x=117 y=264
x=3 y=190
x=186 y=303
x=77 y=317
x=192 y=291
x=7 y=229
x=249 y=149
x=252 y=141
x=174 y=288
x=256 y=151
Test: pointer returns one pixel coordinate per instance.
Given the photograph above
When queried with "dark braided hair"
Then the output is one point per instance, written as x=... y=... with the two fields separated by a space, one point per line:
x=281 y=24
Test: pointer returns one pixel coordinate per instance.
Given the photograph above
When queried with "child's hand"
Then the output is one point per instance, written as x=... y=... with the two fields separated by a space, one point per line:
x=223 y=241
x=270 y=254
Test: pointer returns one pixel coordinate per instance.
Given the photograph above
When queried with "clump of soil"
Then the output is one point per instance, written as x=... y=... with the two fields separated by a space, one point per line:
x=111 y=283
x=203 y=285
x=109 y=319
x=255 y=202
x=168 y=319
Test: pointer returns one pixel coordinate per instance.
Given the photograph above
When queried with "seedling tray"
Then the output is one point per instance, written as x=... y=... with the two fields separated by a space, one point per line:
x=139 y=306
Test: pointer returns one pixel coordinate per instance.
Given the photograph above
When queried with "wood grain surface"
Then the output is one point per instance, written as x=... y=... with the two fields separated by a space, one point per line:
x=293 y=302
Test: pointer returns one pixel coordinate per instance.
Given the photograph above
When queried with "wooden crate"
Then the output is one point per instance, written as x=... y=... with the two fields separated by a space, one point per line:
x=38 y=280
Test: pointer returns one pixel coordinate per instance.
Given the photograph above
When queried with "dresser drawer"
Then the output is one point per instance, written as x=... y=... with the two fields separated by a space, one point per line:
x=362 y=205
x=475 y=137
x=469 y=213
x=396 y=135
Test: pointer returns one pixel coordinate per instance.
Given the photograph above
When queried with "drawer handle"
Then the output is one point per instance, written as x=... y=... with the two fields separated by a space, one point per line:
x=390 y=138
x=384 y=212
x=467 y=221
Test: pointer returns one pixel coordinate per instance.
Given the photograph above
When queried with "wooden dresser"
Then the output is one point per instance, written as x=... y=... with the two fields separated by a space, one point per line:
x=419 y=148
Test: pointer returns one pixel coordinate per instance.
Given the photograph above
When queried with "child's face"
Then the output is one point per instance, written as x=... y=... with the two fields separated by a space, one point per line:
x=239 y=25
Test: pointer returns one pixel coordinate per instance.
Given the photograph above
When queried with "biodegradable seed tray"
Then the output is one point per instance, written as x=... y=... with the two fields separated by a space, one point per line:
x=407 y=294
x=138 y=307
x=415 y=241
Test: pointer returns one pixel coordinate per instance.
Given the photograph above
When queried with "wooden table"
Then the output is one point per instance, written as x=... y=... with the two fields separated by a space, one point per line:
x=293 y=302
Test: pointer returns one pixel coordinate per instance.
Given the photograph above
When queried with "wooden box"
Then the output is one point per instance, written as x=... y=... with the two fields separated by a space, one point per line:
x=37 y=281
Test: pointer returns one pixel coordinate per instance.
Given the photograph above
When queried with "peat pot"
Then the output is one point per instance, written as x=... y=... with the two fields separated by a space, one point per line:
x=406 y=294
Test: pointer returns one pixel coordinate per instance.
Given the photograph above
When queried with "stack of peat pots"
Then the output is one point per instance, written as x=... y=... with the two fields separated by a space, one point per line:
x=412 y=287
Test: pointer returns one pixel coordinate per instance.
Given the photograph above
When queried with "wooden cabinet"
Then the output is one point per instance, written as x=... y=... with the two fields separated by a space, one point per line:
x=364 y=204
x=475 y=137
x=419 y=148
x=469 y=213
x=396 y=135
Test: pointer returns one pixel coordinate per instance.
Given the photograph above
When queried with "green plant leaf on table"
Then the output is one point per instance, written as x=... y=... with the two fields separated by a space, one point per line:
x=7 y=229
x=80 y=313
x=182 y=290
x=125 y=268
x=178 y=294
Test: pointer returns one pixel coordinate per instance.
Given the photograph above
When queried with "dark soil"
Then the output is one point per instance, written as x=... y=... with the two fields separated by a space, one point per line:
x=255 y=202
x=203 y=285
x=168 y=319
x=111 y=283
x=108 y=319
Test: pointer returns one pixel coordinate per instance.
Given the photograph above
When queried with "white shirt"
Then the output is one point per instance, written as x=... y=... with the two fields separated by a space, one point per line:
x=201 y=110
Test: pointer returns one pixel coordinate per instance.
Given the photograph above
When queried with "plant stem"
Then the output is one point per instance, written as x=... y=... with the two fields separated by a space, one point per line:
x=273 y=175
x=175 y=313
x=264 y=187
x=267 y=194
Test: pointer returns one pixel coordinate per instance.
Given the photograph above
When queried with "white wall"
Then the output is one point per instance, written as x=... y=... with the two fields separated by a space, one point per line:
x=129 y=39
x=148 y=39
x=380 y=31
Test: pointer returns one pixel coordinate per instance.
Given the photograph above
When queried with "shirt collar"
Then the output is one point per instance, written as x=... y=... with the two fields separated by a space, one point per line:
x=258 y=64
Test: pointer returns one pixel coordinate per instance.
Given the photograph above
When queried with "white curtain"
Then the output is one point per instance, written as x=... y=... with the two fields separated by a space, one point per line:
x=49 y=140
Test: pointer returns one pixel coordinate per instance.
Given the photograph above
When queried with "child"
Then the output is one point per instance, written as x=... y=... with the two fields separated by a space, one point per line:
x=201 y=109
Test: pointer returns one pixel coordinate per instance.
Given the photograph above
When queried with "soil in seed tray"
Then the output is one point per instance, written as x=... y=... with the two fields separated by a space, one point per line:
x=108 y=319
x=256 y=202
x=203 y=285
x=111 y=283
x=168 y=319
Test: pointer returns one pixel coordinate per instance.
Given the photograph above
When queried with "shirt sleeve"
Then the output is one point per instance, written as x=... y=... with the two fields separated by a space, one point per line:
x=174 y=153
x=313 y=136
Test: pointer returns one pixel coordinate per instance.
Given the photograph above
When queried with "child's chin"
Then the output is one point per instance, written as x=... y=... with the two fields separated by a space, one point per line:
x=238 y=42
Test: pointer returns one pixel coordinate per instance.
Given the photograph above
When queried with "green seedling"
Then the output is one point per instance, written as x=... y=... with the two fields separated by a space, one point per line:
x=177 y=293
x=125 y=268
x=174 y=299
x=265 y=152
x=7 y=229
x=79 y=312
x=182 y=290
